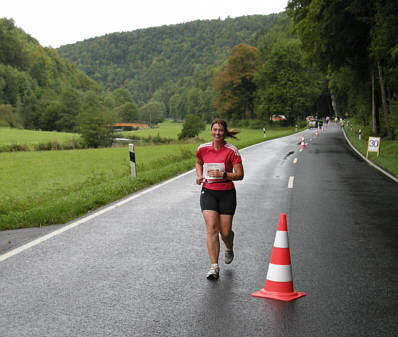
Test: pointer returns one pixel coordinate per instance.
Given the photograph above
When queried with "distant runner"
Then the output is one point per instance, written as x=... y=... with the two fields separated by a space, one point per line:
x=218 y=163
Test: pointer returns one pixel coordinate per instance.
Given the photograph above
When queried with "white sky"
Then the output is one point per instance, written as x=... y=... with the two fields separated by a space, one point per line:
x=58 y=22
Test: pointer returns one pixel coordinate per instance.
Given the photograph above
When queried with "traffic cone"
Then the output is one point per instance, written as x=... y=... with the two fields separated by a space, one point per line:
x=316 y=133
x=302 y=146
x=279 y=282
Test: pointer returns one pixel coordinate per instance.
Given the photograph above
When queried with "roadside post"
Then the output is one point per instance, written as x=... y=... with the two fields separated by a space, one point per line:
x=373 y=145
x=132 y=161
x=264 y=132
x=360 y=134
x=296 y=127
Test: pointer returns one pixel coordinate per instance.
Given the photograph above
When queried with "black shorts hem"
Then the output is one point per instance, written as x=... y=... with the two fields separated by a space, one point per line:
x=223 y=202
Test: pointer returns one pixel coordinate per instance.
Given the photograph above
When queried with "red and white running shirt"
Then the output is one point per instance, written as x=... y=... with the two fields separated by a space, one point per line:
x=223 y=159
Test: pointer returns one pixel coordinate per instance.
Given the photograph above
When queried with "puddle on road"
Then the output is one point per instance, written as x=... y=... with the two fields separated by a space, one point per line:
x=289 y=154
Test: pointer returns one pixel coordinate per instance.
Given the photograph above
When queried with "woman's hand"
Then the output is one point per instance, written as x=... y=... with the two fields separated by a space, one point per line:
x=215 y=173
x=199 y=180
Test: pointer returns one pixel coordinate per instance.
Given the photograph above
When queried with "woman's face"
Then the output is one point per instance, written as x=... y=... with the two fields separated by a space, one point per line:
x=218 y=132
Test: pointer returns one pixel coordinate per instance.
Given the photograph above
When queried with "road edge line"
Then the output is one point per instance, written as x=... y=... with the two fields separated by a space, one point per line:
x=371 y=163
x=107 y=208
x=86 y=218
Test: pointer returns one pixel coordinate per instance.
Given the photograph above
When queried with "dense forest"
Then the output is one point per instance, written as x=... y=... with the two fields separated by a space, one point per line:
x=154 y=62
x=320 y=58
x=195 y=68
x=355 y=44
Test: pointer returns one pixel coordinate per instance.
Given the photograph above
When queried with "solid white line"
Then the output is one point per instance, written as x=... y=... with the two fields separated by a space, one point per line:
x=87 y=218
x=295 y=160
x=290 y=183
x=369 y=161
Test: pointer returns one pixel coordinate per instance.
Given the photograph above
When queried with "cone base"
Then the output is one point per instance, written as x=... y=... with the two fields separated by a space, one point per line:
x=303 y=146
x=278 y=296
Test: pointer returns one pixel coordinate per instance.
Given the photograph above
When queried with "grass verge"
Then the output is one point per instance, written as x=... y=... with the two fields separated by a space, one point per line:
x=53 y=187
x=388 y=157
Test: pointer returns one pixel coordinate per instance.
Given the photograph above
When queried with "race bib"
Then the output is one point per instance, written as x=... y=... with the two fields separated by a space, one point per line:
x=212 y=166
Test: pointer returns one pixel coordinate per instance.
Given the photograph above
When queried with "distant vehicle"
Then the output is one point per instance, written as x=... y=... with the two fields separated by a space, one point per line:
x=278 y=118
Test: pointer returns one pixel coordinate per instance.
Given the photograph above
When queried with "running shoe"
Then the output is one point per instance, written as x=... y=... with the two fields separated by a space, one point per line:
x=228 y=256
x=213 y=273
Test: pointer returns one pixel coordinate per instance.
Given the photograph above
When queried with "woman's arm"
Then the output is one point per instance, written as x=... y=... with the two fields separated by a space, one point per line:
x=237 y=173
x=199 y=171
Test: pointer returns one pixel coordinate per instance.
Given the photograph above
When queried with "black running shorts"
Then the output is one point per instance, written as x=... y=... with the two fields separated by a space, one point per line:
x=223 y=202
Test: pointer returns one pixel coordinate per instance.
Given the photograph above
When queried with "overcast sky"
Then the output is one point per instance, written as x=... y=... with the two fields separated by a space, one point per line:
x=58 y=22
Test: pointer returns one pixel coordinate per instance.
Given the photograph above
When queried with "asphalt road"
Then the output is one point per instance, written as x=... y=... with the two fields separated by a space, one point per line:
x=138 y=268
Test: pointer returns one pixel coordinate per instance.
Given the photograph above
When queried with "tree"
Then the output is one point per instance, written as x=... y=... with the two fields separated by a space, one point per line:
x=122 y=96
x=176 y=107
x=152 y=112
x=9 y=116
x=93 y=130
x=69 y=110
x=286 y=83
x=235 y=84
x=50 y=115
x=356 y=34
x=191 y=127
x=128 y=112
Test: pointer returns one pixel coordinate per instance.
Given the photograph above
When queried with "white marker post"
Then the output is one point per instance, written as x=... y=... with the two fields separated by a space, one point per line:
x=264 y=133
x=132 y=160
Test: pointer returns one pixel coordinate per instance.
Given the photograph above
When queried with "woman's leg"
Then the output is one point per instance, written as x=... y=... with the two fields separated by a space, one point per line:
x=212 y=219
x=226 y=231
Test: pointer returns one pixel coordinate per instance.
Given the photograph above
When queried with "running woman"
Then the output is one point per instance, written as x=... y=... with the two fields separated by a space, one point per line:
x=218 y=163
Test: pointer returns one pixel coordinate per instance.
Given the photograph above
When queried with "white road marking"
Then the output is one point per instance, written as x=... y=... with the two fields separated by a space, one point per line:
x=301 y=150
x=87 y=218
x=291 y=181
x=295 y=160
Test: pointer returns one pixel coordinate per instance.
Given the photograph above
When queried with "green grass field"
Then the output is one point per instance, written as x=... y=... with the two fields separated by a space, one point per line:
x=388 y=157
x=9 y=136
x=50 y=187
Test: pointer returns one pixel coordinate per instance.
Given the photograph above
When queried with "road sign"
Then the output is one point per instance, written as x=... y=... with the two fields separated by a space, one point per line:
x=373 y=145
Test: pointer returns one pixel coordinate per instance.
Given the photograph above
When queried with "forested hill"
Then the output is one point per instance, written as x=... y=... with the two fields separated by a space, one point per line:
x=151 y=59
x=37 y=87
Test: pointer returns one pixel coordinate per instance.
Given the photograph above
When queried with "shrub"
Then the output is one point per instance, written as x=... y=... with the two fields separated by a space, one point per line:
x=191 y=127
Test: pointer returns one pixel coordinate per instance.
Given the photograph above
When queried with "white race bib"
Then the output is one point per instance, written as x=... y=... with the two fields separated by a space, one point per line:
x=212 y=166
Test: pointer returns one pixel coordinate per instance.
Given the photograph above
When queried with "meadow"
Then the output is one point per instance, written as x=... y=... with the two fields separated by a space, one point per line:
x=27 y=140
x=53 y=187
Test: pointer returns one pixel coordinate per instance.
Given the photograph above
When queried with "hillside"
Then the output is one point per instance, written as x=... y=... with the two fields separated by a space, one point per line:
x=35 y=80
x=164 y=59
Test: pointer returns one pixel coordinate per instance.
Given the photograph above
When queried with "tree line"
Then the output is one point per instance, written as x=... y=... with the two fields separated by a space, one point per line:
x=355 y=44
x=320 y=58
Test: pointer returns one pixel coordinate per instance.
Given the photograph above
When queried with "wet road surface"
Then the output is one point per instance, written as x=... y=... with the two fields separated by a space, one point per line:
x=139 y=269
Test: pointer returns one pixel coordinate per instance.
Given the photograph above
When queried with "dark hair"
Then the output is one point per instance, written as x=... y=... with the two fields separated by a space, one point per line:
x=228 y=133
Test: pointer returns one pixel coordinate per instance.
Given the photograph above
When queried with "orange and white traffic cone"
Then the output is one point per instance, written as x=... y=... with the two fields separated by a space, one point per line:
x=302 y=146
x=279 y=282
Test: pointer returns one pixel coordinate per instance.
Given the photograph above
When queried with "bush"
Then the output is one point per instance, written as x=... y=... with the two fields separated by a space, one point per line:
x=191 y=127
x=19 y=147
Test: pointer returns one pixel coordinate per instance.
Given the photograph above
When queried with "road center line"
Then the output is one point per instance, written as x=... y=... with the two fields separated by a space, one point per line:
x=295 y=160
x=291 y=181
